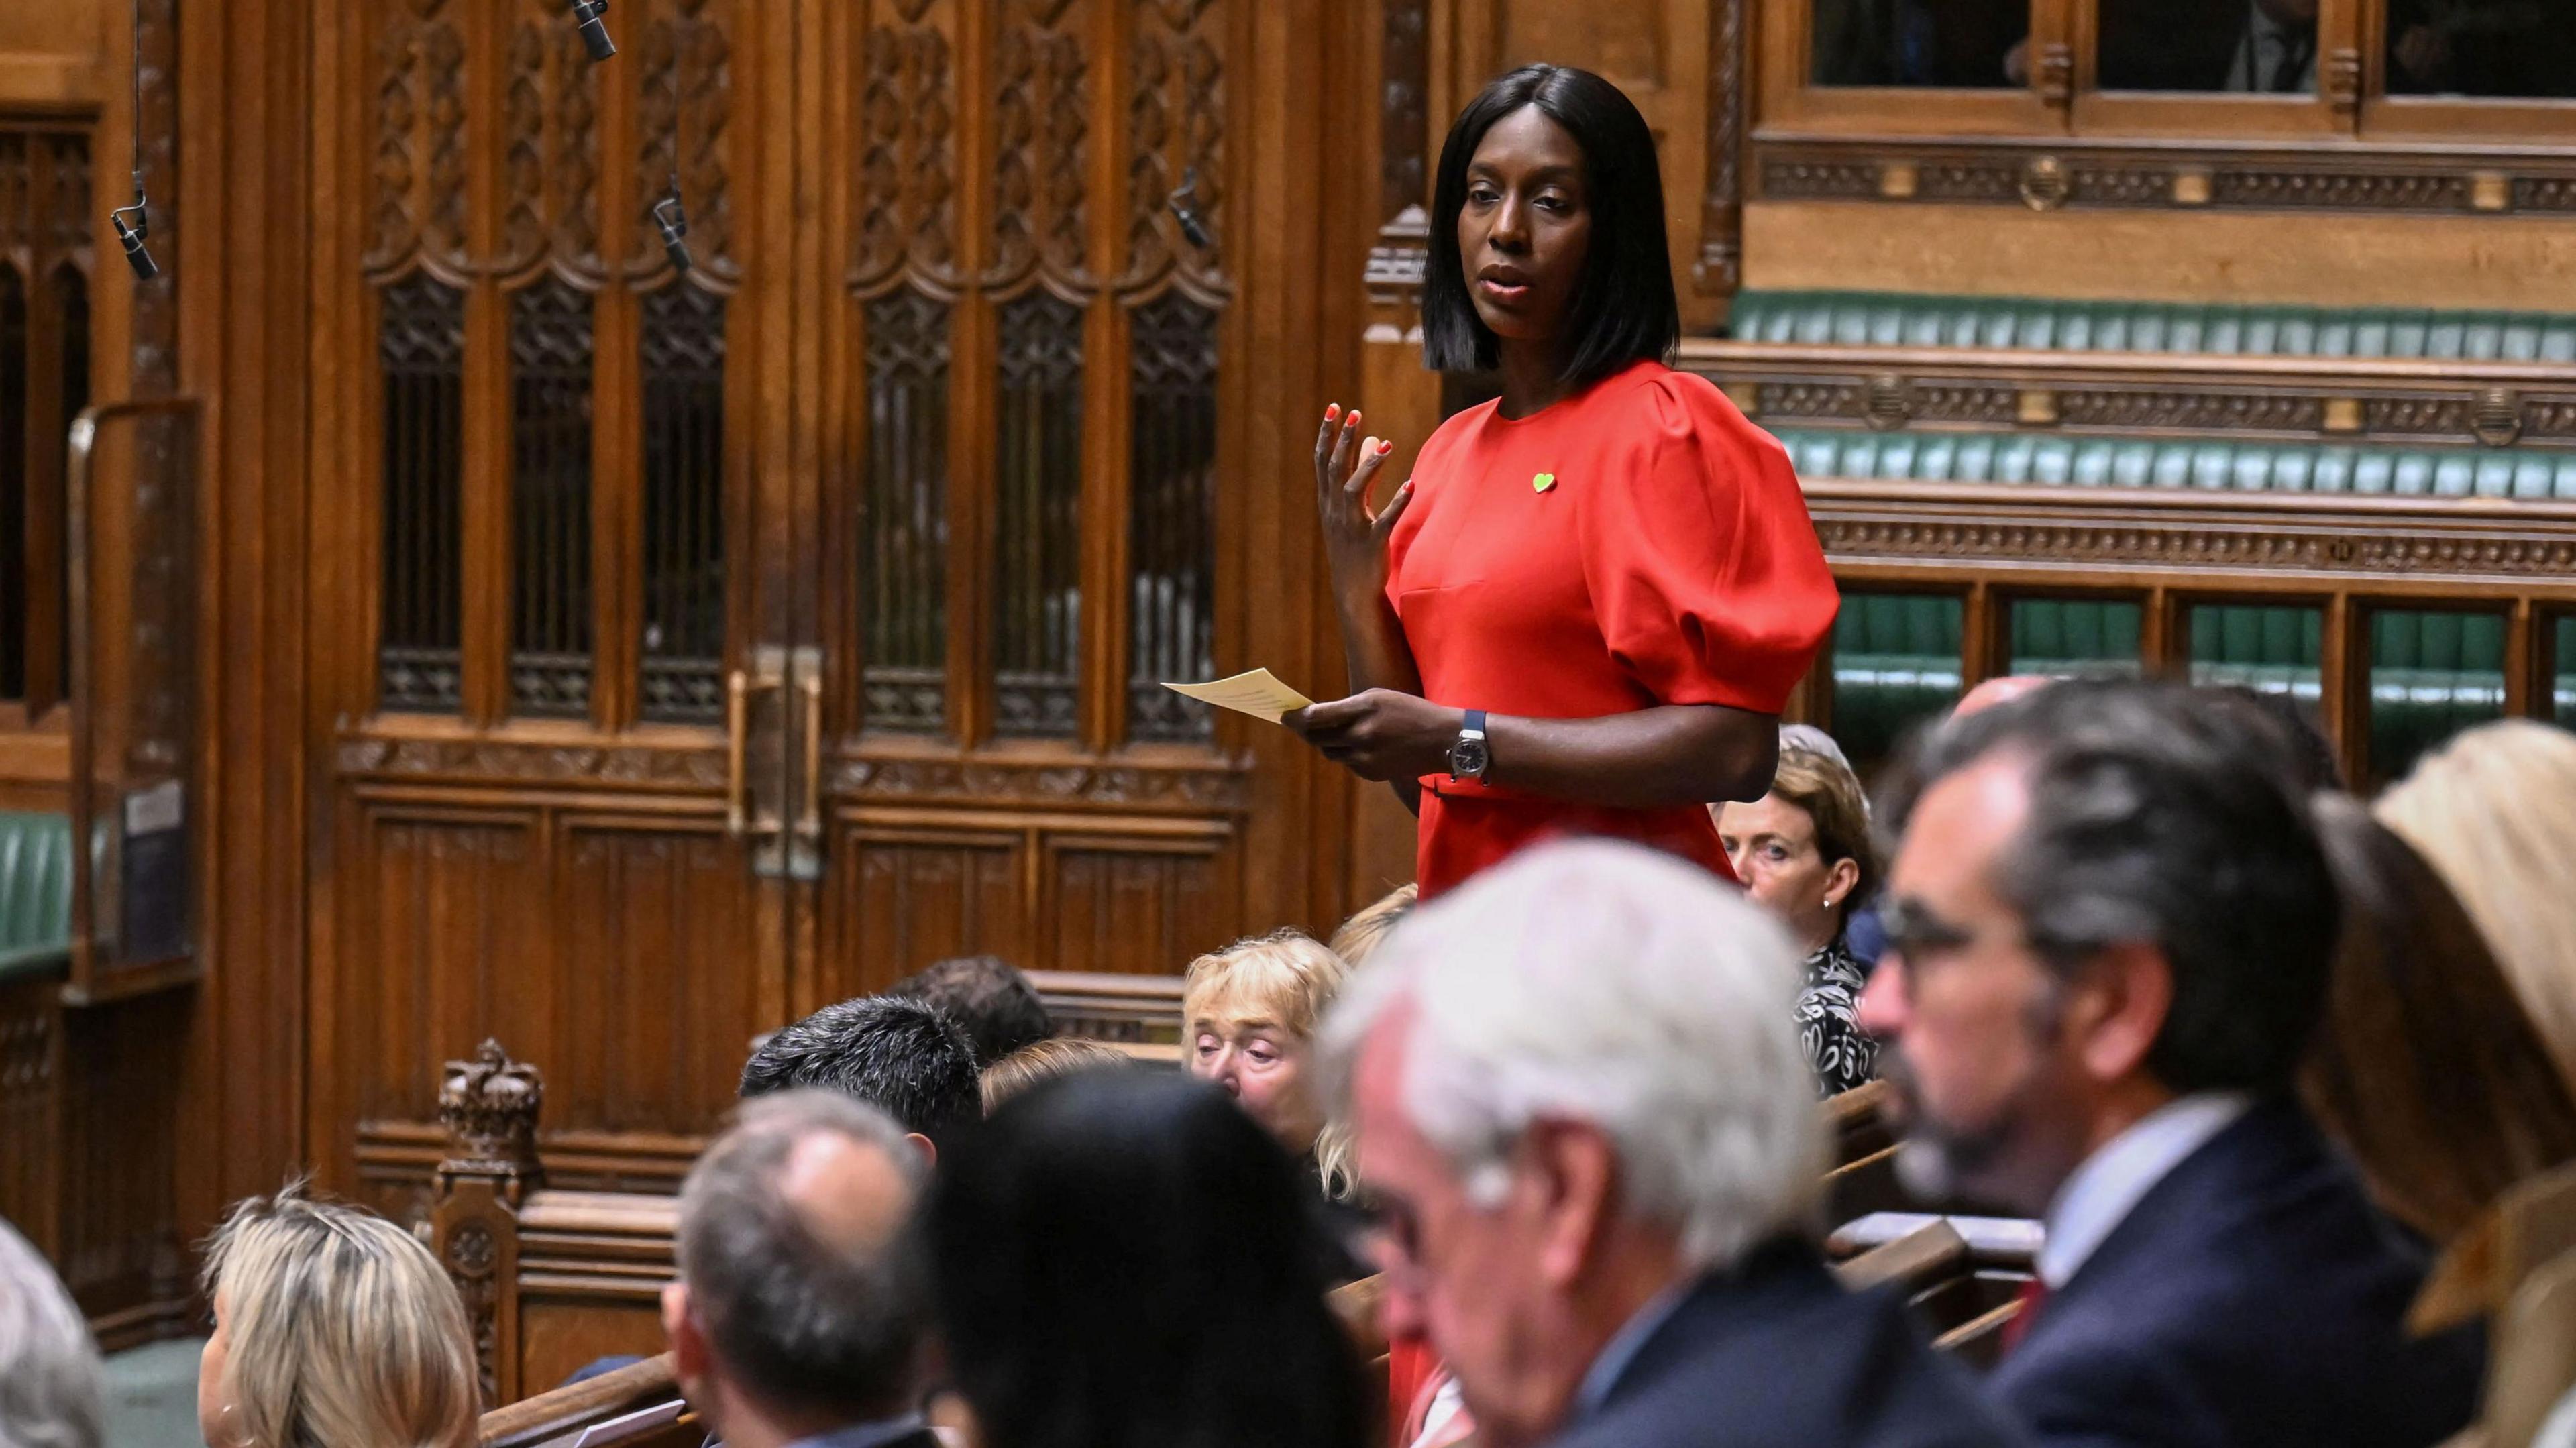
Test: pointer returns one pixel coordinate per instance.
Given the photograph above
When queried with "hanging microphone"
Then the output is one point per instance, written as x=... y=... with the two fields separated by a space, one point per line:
x=1192 y=228
x=675 y=225
x=131 y=237
x=588 y=16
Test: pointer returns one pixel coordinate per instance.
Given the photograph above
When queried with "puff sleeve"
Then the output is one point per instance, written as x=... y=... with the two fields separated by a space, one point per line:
x=1705 y=574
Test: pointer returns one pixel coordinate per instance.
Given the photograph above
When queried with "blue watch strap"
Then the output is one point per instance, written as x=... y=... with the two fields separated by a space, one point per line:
x=1476 y=721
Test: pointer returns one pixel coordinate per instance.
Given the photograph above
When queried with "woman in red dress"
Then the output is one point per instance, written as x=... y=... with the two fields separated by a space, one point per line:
x=1584 y=611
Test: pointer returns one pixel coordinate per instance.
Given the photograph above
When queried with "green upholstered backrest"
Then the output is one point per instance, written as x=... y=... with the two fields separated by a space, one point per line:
x=1898 y=319
x=35 y=890
x=2055 y=459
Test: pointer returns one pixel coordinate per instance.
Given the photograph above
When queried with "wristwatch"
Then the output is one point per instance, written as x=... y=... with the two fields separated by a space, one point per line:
x=1468 y=758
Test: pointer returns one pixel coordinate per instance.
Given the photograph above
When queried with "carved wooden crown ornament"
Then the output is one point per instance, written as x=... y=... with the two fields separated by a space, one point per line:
x=489 y=1107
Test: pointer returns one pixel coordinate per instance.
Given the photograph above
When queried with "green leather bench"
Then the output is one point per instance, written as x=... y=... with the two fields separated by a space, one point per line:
x=1890 y=319
x=2111 y=462
x=35 y=894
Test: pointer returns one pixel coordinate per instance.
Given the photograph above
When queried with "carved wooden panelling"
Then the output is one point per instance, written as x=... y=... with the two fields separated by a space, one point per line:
x=1041 y=125
x=907 y=161
x=1138 y=906
x=550 y=500
x=455 y=946
x=1176 y=120
x=903 y=518
x=1037 y=610
x=423 y=342
x=45 y=254
x=660 y=983
x=684 y=496
x=919 y=895
x=1171 y=548
x=121 y=1253
x=30 y=1048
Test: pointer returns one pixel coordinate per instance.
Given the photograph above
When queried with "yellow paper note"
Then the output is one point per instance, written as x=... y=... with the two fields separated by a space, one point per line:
x=1258 y=694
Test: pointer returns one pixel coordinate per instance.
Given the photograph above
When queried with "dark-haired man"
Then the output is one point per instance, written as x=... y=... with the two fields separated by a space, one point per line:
x=797 y=1317
x=996 y=1004
x=903 y=1057
x=2109 y=937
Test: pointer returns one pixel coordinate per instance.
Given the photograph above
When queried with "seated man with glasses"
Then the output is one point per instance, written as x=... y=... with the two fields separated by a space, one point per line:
x=1584 y=1115
x=2109 y=933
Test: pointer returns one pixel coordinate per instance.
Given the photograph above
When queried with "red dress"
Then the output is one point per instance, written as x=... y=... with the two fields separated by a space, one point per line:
x=1634 y=545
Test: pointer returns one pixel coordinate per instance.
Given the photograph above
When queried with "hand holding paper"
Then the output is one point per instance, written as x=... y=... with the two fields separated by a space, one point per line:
x=1259 y=694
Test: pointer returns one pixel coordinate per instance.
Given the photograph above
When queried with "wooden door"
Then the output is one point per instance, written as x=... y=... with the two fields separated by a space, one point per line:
x=549 y=592
x=1034 y=381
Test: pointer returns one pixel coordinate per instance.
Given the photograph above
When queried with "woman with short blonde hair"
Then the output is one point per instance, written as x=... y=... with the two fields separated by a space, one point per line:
x=1360 y=936
x=1248 y=1019
x=2494 y=812
x=1803 y=853
x=334 y=1328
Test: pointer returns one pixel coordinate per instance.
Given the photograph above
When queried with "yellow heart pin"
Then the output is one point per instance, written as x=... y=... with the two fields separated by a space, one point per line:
x=1542 y=482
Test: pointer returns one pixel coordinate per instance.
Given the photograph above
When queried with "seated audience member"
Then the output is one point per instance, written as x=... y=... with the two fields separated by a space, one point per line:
x=2426 y=1070
x=1044 y=1061
x=1584 y=1113
x=333 y=1327
x=49 y=1374
x=2494 y=813
x=1803 y=853
x=1362 y=934
x=1124 y=1260
x=798 y=1314
x=988 y=996
x=904 y=1057
x=1248 y=1015
x=2109 y=936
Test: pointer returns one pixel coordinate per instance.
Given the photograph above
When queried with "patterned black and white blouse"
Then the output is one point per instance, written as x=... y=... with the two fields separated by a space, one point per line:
x=1829 y=1021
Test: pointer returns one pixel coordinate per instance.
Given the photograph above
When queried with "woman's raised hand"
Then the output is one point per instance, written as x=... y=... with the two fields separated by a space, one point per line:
x=1354 y=537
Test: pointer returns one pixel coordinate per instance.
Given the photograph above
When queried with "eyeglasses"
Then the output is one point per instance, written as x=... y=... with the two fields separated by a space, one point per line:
x=1915 y=934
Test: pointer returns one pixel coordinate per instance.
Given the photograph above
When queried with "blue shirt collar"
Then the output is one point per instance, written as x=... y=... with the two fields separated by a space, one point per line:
x=1620 y=1352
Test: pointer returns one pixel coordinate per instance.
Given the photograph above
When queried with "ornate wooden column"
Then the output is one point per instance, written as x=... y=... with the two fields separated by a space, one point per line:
x=489 y=1107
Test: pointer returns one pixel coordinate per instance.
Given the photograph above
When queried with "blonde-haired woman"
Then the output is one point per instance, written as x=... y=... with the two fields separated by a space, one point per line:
x=1248 y=1019
x=2494 y=813
x=334 y=1328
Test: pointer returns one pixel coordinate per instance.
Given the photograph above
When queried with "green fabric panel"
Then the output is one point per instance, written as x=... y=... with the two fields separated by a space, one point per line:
x=35 y=886
x=2431 y=675
x=2074 y=636
x=2058 y=459
x=1885 y=318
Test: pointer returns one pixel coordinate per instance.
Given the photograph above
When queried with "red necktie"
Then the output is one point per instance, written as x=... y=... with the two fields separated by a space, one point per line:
x=2033 y=1294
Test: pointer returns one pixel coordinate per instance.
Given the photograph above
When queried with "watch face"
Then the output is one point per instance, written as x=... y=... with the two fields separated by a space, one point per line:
x=1467 y=757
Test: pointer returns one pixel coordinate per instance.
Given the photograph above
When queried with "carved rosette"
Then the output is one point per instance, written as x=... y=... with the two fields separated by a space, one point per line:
x=489 y=1107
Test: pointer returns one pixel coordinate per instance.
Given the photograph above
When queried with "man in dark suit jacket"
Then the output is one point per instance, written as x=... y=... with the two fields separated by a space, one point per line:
x=796 y=1319
x=1581 y=1105
x=2110 y=931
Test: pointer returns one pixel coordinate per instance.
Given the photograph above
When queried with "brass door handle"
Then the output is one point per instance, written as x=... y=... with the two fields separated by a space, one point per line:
x=809 y=815
x=767 y=675
x=737 y=741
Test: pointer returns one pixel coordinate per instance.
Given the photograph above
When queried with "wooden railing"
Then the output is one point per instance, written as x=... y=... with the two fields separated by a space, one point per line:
x=637 y=1406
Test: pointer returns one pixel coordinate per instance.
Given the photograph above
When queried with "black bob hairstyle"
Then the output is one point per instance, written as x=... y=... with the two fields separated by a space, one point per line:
x=1124 y=1258
x=1623 y=310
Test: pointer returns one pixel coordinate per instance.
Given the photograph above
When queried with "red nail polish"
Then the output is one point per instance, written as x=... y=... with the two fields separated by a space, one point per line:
x=1385 y=448
x=1332 y=412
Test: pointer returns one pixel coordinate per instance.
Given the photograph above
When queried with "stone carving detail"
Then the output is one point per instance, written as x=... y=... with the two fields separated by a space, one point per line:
x=1176 y=130
x=156 y=302
x=1041 y=107
x=2007 y=172
x=686 y=107
x=907 y=153
x=2342 y=191
x=2401 y=549
x=2497 y=422
x=1202 y=787
x=2157 y=408
x=489 y=1106
x=1719 y=270
x=2417 y=415
x=500 y=760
